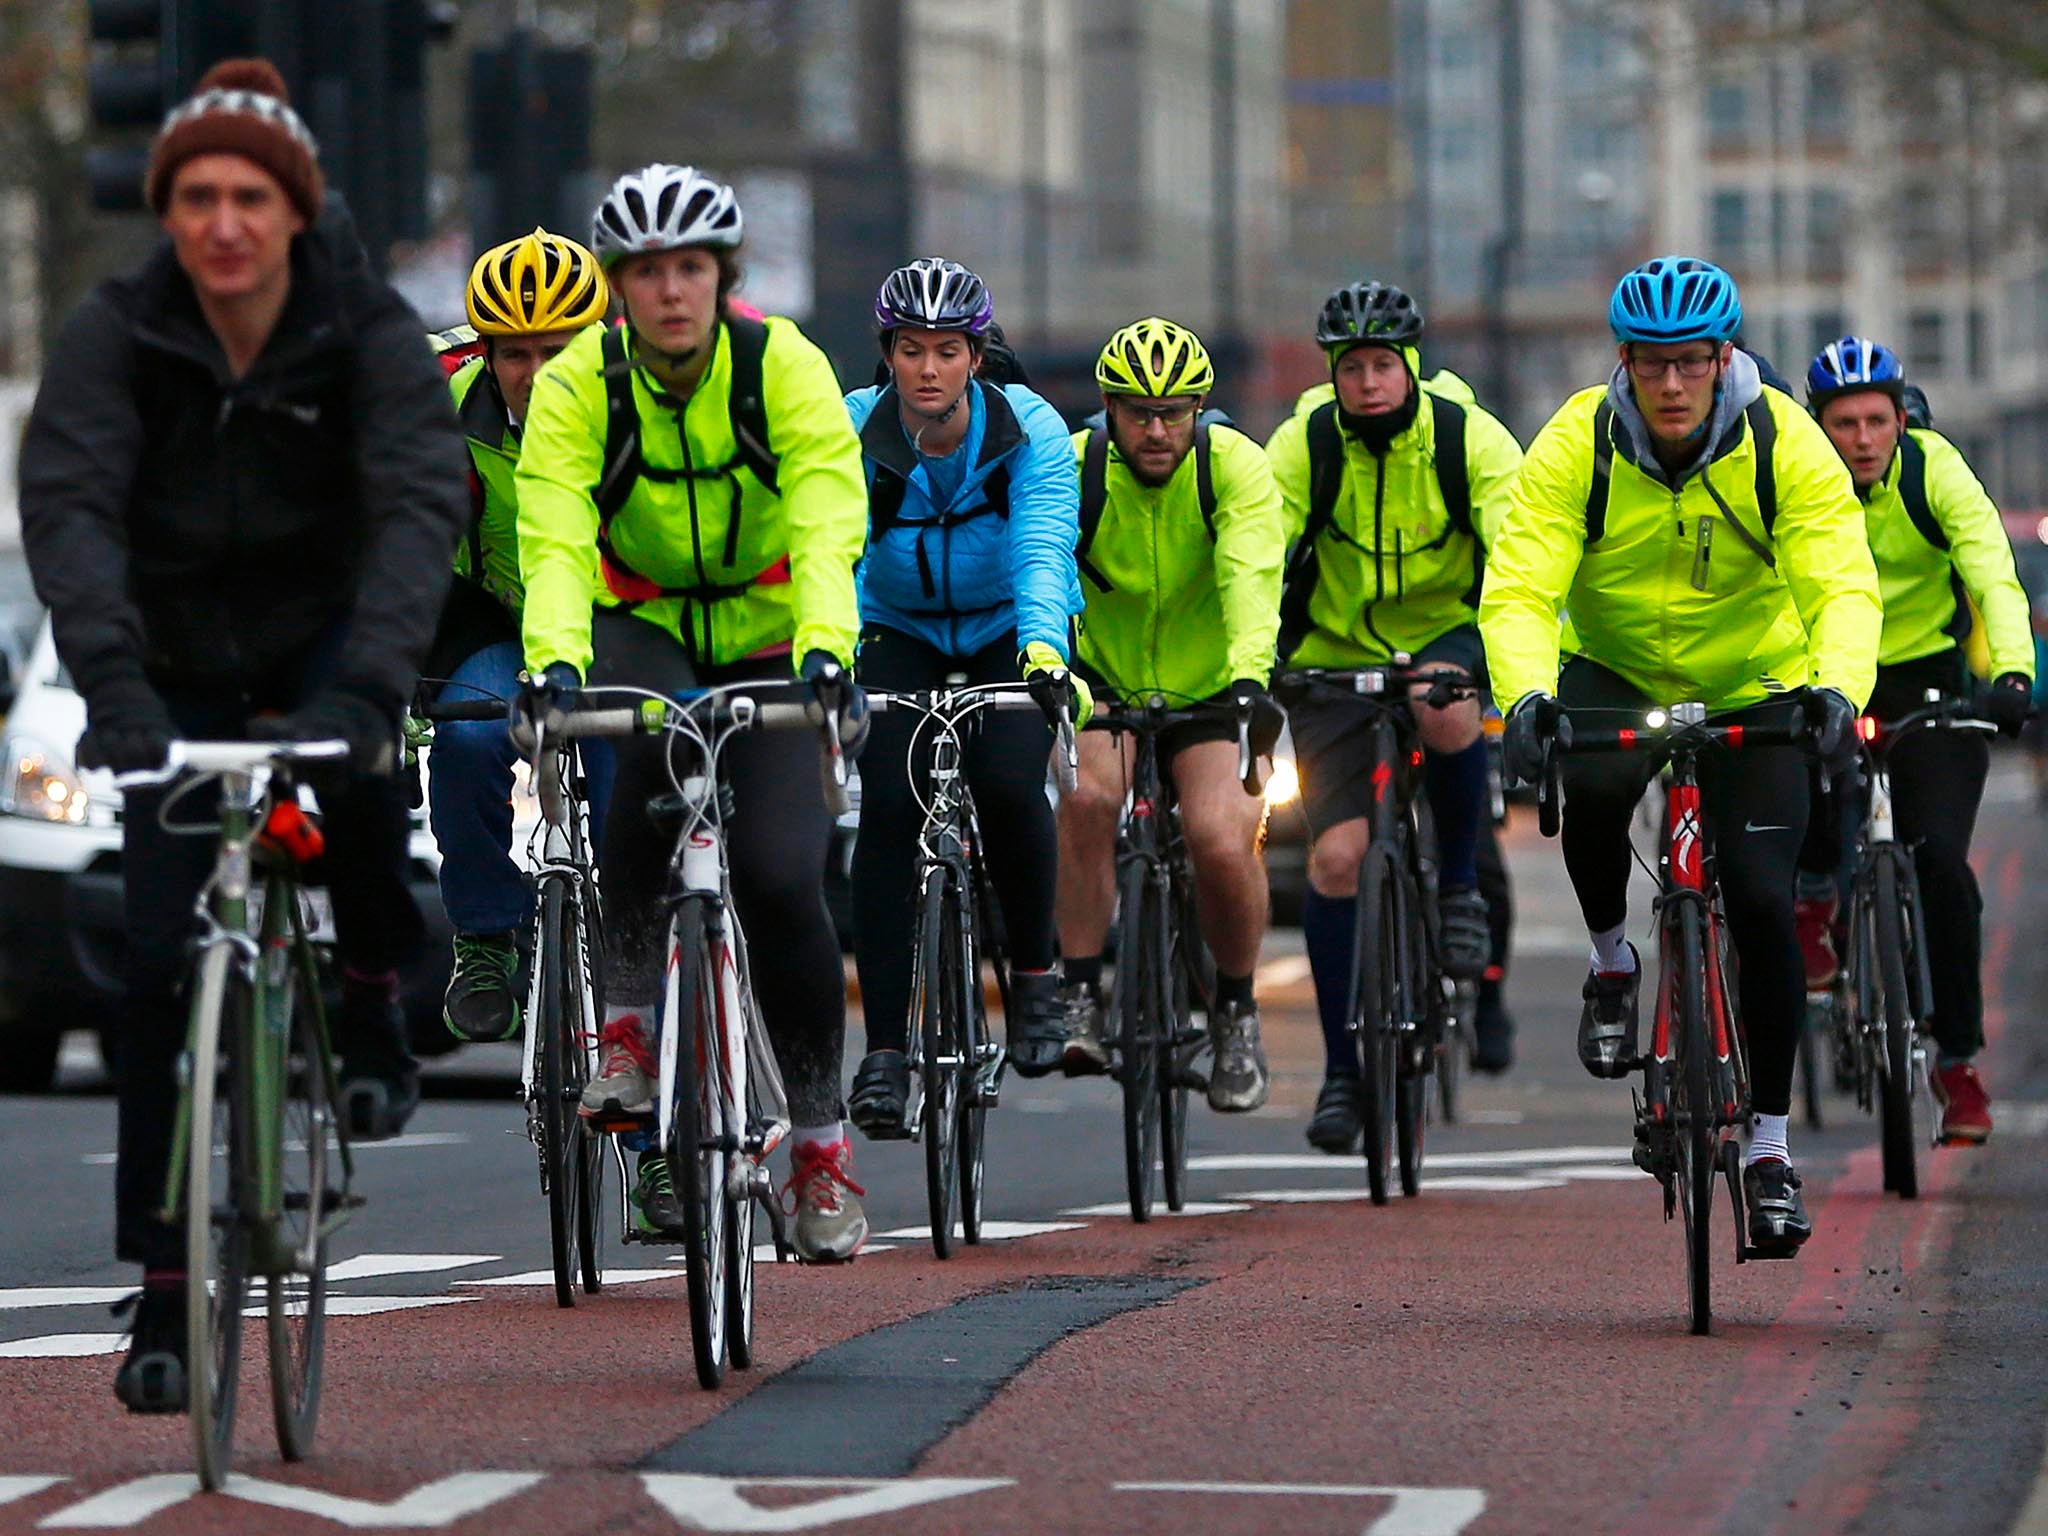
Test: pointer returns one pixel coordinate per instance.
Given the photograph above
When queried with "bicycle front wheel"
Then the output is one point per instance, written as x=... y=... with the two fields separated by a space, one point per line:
x=570 y=1154
x=693 y=1051
x=1900 y=1144
x=1142 y=1029
x=1692 y=1109
x=937 y=997
x=1377 y=1009
x=1183 y=966
x=300 y=1082
x=216 y=1240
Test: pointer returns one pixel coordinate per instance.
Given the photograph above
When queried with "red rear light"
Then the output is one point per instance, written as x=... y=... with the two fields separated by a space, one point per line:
x=1628 y=739
x=1866 y=727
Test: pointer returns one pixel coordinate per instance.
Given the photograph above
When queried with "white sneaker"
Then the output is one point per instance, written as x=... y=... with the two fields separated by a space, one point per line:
x=830 y=1224
x=624 y=1084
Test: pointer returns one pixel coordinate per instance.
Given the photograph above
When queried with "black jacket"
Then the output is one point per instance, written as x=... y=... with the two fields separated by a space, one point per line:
x=204 y=533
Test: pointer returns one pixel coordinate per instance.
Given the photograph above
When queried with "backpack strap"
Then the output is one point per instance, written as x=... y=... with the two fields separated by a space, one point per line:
x=1453 y=476
x=622 y=464
x=1304 y=567
x=1763 y=427
x=1603 y=472
x=747 y=400
x=1205 y=474
x=1913 y=491
x=1094 y=497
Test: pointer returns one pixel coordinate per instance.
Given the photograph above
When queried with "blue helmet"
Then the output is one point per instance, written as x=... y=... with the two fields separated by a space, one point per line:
x=1853 y=364
x=1675 y=298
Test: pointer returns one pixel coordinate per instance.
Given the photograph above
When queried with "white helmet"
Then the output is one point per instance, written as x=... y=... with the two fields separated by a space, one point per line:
x=661 y=208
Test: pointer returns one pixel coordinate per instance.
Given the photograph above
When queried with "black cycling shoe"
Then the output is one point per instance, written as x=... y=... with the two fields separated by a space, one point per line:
x=881 y=1095
x=1336 y=1125
x=152 y=1378
x=1778 y=1222
x=1607 y=1024
x=1493 y=1032
x=1038 y=1023
x=1464 y=942
x=380 y=1080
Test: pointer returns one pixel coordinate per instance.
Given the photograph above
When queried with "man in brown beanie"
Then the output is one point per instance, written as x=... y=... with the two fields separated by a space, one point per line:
x=241 y=489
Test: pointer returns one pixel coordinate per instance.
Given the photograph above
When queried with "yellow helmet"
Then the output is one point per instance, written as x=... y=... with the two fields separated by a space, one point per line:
x=539 y=282
x=1155 y=357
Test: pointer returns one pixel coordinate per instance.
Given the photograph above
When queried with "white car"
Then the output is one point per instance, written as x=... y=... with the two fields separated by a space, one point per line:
x=61 y=943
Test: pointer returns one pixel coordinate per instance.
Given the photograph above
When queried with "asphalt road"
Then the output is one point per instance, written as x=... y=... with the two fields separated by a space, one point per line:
x=1507 y=1353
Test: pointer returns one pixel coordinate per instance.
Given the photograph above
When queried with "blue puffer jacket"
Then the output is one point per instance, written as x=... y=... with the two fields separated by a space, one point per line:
x=962 y=576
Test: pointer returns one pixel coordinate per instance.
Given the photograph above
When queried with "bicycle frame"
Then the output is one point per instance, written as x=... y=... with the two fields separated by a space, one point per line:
x=1685 y=880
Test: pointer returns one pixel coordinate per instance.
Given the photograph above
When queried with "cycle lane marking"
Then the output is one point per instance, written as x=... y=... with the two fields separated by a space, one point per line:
x=432 y=1505
x=1414 y=1511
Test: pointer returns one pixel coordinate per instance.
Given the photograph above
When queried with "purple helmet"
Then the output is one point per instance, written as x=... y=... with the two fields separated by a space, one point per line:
x=933 y=294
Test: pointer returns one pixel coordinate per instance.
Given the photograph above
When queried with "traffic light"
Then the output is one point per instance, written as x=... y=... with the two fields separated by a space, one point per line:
x=147 y=56
x=529 y=139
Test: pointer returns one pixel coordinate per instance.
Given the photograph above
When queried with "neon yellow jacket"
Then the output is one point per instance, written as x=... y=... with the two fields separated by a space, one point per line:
x=1725 y=631
x=721 y=527
x=489 y=551
x=1185 y=615
x=1922 y=583
x=1394 y=574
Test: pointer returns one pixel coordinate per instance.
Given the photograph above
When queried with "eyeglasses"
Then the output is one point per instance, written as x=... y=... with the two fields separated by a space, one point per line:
x=1165 y=415
x=1651 y=370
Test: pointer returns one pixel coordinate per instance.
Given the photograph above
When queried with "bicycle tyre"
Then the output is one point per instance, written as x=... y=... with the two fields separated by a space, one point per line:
x=739 y=1280
x=1810 y=1029
x=589 y=960
x=937 y=997
x=561 y=1086
x=1173 y=1074
x=697 y=1164
x=216 y=1240
x=973 y=1134
x=1139 y=1029
x=1376 y=1007
x=1900 y=1146
x=297 y=1309
x=1416 y=1054
x=1454 y=1050
x=1695 y=1133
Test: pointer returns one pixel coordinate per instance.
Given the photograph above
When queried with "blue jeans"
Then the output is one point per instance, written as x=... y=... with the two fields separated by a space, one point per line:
x=469 y=799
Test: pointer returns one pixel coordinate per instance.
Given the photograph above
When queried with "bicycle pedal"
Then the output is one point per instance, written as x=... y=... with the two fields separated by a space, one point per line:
x=617 y=1122
x=1189 y=1078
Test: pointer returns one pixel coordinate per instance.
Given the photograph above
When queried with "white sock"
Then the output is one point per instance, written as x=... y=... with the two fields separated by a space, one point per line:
x=813 y=1137
x=1611 y=952
x=613 y=1012
x=1768 y=1139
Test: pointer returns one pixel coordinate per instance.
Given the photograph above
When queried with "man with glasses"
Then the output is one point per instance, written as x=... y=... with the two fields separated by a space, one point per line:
x=1707 y=541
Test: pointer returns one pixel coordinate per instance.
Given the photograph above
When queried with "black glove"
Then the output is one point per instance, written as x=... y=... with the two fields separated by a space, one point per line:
x=2008 y=702
x=544 y=703
x=128 y=729
x=339 y=714
x=1832 y=720
x=1531 y=725
x=837 y=693
x=1267 y=716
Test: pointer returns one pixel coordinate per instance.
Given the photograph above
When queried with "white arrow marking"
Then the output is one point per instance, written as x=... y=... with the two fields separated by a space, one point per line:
x=59 y=1346
x=716 y=1503
x=1192 y=1208
x=436 y=1504
x=547 y=1277
x=996 y=1231
x=61 y=1295
x=372 y=1266
x=1534 y=1157
x=13 y=1489
x=1416 y=1511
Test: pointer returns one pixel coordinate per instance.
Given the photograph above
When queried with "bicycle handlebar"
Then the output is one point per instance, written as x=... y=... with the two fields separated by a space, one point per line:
x=1659 y=732
x=230 y=757
x=1155 y=715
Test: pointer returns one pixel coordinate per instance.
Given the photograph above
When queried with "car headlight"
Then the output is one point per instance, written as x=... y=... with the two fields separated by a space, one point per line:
x=40 y=784
x=1283 y=784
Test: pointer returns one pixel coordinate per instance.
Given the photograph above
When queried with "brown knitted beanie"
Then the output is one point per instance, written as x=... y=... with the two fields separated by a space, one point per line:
x=241 y=108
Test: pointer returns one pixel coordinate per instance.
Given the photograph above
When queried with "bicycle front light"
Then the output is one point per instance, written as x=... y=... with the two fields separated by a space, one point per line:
x=1283 y=784
x=40 y=784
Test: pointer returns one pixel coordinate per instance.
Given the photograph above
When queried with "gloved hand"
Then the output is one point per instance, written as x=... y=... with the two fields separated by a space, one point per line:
x=1267 y=716
x=128 y=729
x=1050 y=679
x=2008 y=701
x=339 y=714
x=1832 y=719
x=544 y=703
x=1532 y=723
x=833 y=687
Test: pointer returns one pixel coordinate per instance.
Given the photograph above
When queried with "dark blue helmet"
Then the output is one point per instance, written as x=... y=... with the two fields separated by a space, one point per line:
x=1850 y=365
x=1675 y=298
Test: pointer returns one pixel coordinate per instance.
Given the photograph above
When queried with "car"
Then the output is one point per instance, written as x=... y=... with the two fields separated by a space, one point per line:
x=61 y=934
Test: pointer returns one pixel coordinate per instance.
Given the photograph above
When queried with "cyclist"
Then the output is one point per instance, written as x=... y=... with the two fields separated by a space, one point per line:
x=970 y=572
x=1934 y=534
x=239 y=494
x=692 y=474
x=1709 y=546
x=1390 y=520
x=1181 y=554
x=526 y=300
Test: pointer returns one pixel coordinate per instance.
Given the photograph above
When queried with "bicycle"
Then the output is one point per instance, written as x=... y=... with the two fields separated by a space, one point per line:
x=1163 y=975
x=1401 y=1004
x=564 y=1008
x=720 y=1107
x=956 y=1069
x=250 y=1176
x=1887 y=991
x=1695 y=1095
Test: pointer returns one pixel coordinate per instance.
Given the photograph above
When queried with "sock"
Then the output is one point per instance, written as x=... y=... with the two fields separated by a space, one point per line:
x=817 y=1138
x=1768 y=1139
x=1943 y=1061
x=613 y=1012
x=1456 y=783
x=1083 y=971
x=1329 y=932
x=1234 y=992
x=1611 y=953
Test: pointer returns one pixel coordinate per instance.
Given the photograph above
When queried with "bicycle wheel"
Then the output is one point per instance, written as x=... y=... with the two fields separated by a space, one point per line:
x=1417 y=1049
x=1812 y=1023
x=1454 y=1050
x=693 y=1050
x=1895 y=1066
x=1376 y=1009
x=739 y=1281
x=298 y=1269
x=936 y=1000
x=973 y=1135
x=1139 y=1031
x=587 y=926
x=216 y=1241
x=570 y=1152
x=1180 y=967
x=1692 y=1110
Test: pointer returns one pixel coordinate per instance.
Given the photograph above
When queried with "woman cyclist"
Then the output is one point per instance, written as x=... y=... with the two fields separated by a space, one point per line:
x=714 y=526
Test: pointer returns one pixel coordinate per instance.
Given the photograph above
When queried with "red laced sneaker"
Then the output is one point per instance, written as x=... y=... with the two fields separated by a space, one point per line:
x=1814 y=917
x=830 y=1224
x=625 y=1076
x=1965 y=1107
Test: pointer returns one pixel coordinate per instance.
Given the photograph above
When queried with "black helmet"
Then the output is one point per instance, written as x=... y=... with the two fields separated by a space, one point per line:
x=1374 y=312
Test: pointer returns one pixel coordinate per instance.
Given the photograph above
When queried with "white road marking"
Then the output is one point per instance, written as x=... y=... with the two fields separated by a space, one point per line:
x=547 y=1277
x=1487 y=1183
x=717 y=1504
x=1616 y=1175
x=373 y=1266
x=62 y=1346
x=434 y=1504
x=1416 y=1511
x=371 y=1306
x=61 y=1296
x=16 y=1488
x=1490 y=1117
x=991 y=1231
x=393 y=1143
x=1533 y=1157
x=1192 y=1208
x=1299 y=1196
x=2015 y=1117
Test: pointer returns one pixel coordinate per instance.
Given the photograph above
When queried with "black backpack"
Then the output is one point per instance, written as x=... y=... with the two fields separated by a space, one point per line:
x=1095 y=484
x=886 y=487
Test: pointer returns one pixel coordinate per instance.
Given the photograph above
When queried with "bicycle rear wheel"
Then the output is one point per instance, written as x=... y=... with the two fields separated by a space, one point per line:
x=1900 y=1143
x=568 y=1151
x=973 y=1135
x=1376 y=1010
x=216 y=1240
x=693 y=1048
x=1692 y=1108
x=937 y=999
x=1455 y=1049
x=1181 y=964
x=1141 y=1030
x=298 y=1267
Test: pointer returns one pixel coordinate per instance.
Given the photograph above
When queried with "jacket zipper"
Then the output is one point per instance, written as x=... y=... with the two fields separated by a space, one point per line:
x=1703 y=552
x=1379 y=569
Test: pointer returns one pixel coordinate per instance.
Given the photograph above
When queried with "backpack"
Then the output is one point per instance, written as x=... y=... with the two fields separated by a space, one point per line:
x=886 y=488
x=1326 y=480
x=1763 y=427
x=1095 y=484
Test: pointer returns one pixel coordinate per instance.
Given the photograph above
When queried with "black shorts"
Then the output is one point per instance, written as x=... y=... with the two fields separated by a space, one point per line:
x=1178 y=738
x=1333 y=737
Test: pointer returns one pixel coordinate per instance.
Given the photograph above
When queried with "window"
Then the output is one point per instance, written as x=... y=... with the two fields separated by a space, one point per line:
x=1727 y=116
x=1781 y=227
x=1977 y=344
x=1827 y=102
x=1826 y=238
x=1585 y=48
x=1728 y=227
x=1926 y=343
x=1923 y=238
x=1826 y=327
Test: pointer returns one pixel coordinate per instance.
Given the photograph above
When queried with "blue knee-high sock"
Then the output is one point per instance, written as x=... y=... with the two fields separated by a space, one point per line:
x=1329 y=931
x=1456 y=783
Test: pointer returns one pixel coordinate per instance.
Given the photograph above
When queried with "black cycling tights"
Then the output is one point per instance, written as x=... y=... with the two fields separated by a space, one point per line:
x=1755 y=801
x=1006 y=762
x=776 y=844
